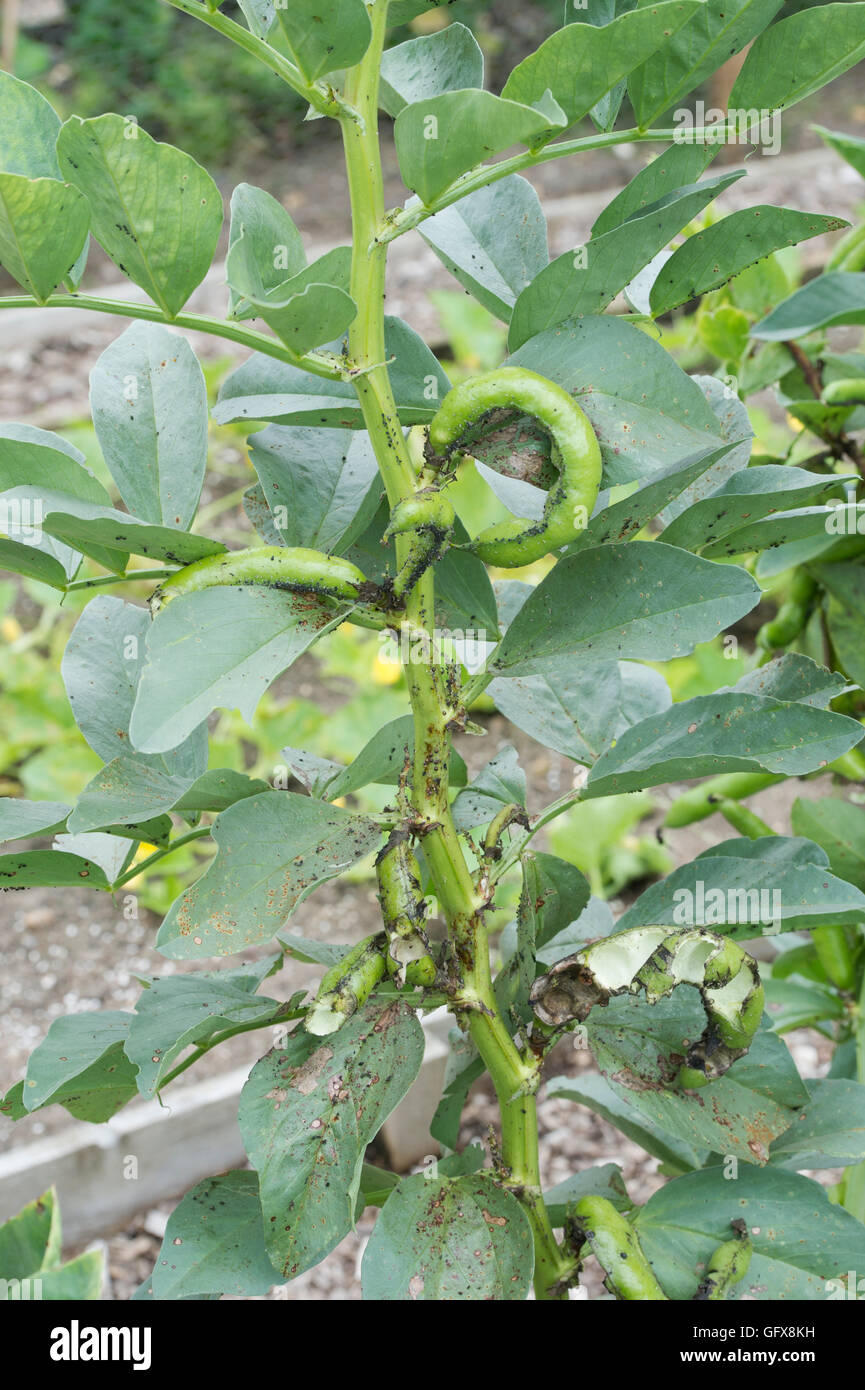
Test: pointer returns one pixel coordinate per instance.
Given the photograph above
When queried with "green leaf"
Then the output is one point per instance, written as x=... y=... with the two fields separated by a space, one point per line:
x=29 y=562
x=43 y=228
x=101 y=670
x=598 y=1096
x=791 y=1005
x=149 y=406
x=383 y=759
x=78 y=1280
x=448 y=1239
x=214 y=1242
x=829 y=1132
x=324 y=35
x=80 y=1064
x=494 y=241
x=675 y=167
x=580 y=63
x=825 y=302
x=593 y=922
x=306 y=310
x=427 y=66
x=799 y=56
x=218 y=789
x=711 y=257
x=800 y=1239
x=603 y=1181
x=441 y=137
x=845 y=615
x=747 y=887
x=749 y=496
x=498 y=784
x=795 y=677
x=36 y=458
x=717 y=30
x=49 y=868
x=839 y=828
x=626 y=518
x=582 y=710
x=307 y=1113
x=219 y=648
x=264 y=389
x=274 y=244
x=322 y=485
x=727 y=732
x=154 y=211
x=139 y=787
x=586 y=356
x=30 y=125
x=639 y=601
x=20 y=819
x=30 y=1240
x=636 y=1045
x=177 y=1011
x=274 y=848
x=586 y=280
x=850 y=147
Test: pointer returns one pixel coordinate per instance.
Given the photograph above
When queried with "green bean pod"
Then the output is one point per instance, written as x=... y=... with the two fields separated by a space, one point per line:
x=347 y=985
x=656 y=960
x=616 y=1247
x=848 y=391
x=849 y=253
x=574 y=452
x=403 y=907
x=270 y=566
x=833 y=952
x=429 y=518
x=726 y=1268
x=704 y=800
x=792 y=616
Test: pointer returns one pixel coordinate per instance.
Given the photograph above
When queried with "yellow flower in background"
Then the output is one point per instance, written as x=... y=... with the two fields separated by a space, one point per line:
x=385 y=672
x=10 y=629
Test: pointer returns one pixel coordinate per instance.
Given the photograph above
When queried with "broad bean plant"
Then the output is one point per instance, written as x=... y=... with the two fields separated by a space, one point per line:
x=627 y=488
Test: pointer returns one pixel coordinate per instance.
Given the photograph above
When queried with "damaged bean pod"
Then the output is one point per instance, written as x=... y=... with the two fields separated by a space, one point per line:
x=347 y=986
x=404 y=912
x=574 y=452
x=656 y=960
x=726 y=1268
x=615 y=1245
x=294 y=569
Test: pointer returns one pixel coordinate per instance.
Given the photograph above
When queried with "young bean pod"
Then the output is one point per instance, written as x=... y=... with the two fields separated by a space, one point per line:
x=274 y=567
x=347 y=985
x=429 y=518
x=574 y=452
x=792 y=616
x=726 y=1268
x=617 y=1249
x=704 y=800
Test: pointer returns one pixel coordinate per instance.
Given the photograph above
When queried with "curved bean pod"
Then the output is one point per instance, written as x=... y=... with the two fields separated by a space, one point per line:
x=574 y=452
x=404 y=912
x=727 y=1266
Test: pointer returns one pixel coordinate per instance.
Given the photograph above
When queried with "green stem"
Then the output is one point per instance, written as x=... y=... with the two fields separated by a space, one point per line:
x=158 y=854
x=452 y=881
x=404 y=219
x=103 y=579
x=318 y=363
x=280 y=1015
x=318 y=97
